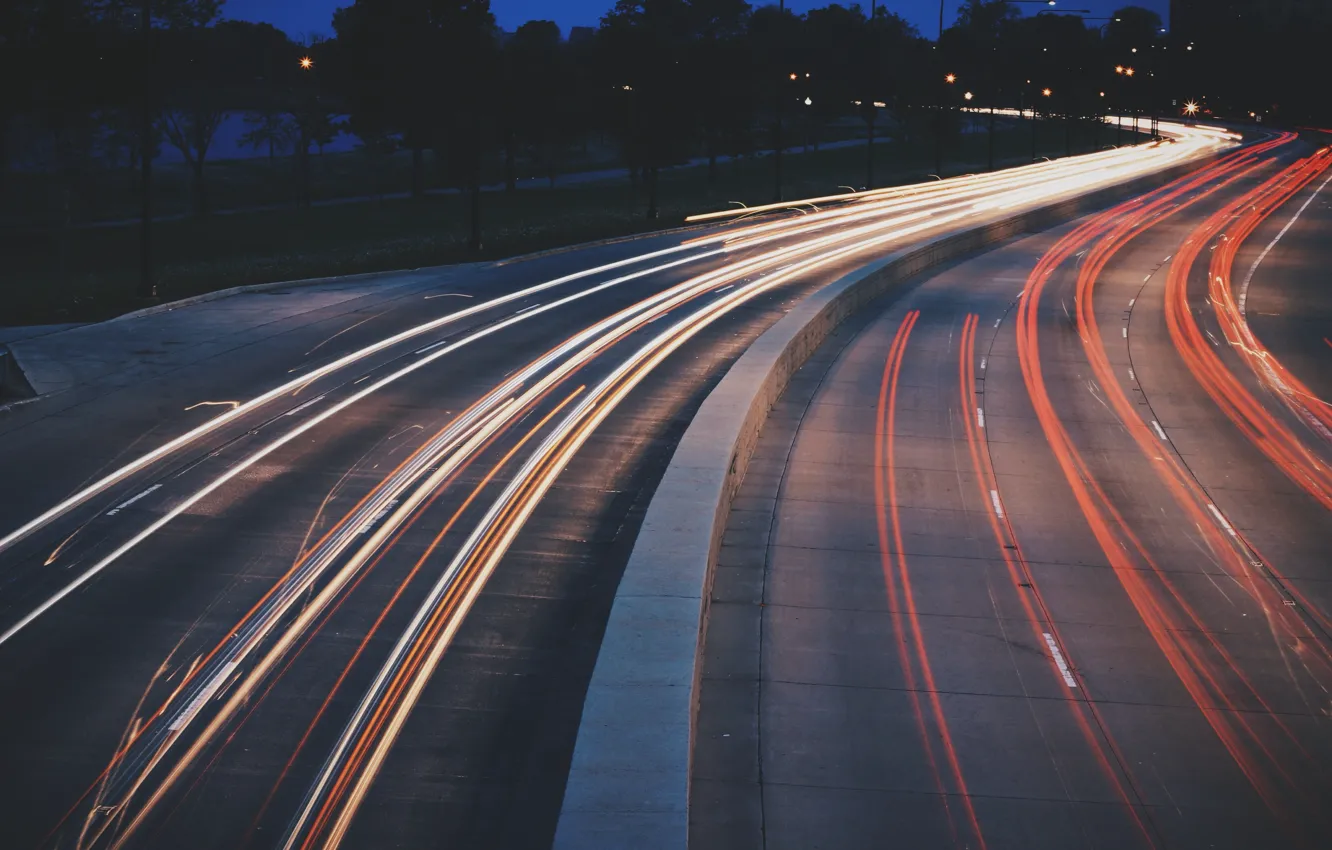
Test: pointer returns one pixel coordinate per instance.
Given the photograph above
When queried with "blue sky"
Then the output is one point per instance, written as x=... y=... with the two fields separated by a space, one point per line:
x=302 y=17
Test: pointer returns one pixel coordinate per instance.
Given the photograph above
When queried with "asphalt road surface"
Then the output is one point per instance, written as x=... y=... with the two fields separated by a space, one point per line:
x=1036 y=556
x=344 y=585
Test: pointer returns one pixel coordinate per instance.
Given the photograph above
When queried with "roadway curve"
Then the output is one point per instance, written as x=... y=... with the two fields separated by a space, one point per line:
x=1038 y=558
x=356 y=599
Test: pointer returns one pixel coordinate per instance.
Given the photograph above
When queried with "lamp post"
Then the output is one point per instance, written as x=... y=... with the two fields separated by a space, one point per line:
x=949 y=79
x=1046 y=93
x=869 y=109
x=777 y=128
x=147 y=285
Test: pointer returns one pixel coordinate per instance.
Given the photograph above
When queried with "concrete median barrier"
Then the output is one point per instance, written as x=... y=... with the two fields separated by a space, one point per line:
x=628 y=784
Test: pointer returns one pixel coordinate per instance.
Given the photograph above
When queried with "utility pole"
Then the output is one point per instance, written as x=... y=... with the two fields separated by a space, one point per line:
x=938 y=115
x=872 y=109
x=990 y=137
x=781 y=96
x=147 y=286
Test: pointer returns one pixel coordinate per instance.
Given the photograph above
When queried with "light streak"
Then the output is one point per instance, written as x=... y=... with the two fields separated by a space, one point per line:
x=1170 y=616
x=901 y=601
x=855 y=230
x=1100 y=742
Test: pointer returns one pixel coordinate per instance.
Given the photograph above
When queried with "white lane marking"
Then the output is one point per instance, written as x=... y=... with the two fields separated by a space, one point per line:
x=1060 y=662
x=120 y=507
x=1125 y=333
x=997 y=322
x=1132 y=377
x=1219 y=518
x=525 y=309
x=983 y=361
x=202 y=697
x=1244 y=289
x=998 y=507
x=372 y=521
x=1147 y=278
x=1160 y=431
x=980 y=417
x=232 y=404
x=448 y=295
x=723 y=289
x=1132 y=301
x=296 y=410
x=430 y=347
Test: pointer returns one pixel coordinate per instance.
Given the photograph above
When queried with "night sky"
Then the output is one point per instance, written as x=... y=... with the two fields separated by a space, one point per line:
x=299 y=18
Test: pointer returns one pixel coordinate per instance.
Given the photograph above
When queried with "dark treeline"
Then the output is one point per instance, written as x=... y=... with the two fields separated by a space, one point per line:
x=664 y=79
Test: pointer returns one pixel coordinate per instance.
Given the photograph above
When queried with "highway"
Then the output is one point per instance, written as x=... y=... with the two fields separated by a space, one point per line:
x=346 y=588
x=1035 y=555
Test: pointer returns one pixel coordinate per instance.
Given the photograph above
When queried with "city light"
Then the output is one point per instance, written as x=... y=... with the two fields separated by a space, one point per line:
x=1191 y=108
x=951 y=78
x=307 y=63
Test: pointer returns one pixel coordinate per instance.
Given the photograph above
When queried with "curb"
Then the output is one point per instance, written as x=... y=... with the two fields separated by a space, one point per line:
x=629 y=779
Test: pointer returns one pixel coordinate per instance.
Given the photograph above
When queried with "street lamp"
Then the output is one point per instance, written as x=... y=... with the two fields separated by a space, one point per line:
x=1191 y=108
x=968 y=96
x=306 y=63
x=950 y=79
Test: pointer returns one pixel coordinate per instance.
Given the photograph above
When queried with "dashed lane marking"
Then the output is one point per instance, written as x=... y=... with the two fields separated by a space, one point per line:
x=1060 y=662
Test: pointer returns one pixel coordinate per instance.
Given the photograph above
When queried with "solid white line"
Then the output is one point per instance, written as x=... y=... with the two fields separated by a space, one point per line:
x=1060 y=662
x=1221 y=519
x=296 y=410
x=372 y=521
x=120 y=507
x=1160 y=431
x=1244 y=289
x=202 y=697
x=430 y=347
x=723 y=289
x=998 y=508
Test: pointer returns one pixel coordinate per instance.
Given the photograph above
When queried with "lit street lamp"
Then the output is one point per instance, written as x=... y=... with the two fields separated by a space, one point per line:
x=306 y=63
x=1191 y=108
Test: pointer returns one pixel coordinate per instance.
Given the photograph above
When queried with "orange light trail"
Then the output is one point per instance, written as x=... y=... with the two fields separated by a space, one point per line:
x=910 y=638
x=1189 y=665
x=1027 y=589
x=369 y=739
